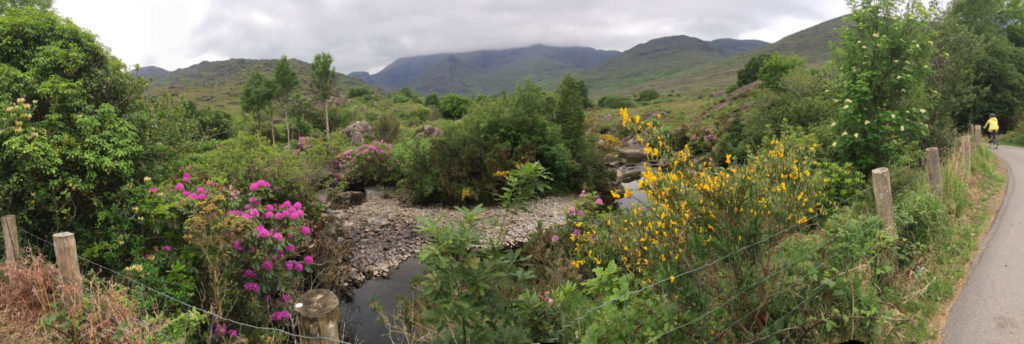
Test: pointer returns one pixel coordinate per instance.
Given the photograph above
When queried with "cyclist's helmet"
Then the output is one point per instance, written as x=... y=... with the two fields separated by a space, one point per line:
x=991 y=115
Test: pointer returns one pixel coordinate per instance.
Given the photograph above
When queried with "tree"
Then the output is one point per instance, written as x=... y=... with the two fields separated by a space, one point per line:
x=431 y=99
x=285 y=81
x=748 y=73
x=67 y=134
x=453 y=106
x=323 y=76
x=774 y=67
x=569 y=115
x=884 y=60
x=647 y=95
x=257 y=93
x=38 y=4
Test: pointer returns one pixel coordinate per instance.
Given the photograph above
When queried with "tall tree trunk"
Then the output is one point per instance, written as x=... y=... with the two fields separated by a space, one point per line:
x=327 y=121
x=287 y=129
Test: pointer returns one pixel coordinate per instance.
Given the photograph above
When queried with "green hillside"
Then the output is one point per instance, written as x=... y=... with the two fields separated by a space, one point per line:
x=218 y=84
x=688 y=67
x=484 y=71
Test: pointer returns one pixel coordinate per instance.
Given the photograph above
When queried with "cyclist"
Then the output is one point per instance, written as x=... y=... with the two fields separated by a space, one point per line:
x=992 y=127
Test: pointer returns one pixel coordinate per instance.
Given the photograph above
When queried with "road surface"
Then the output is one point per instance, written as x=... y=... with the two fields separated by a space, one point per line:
x=991 y=306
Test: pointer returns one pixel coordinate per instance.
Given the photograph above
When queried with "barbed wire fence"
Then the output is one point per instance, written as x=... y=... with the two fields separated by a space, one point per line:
x=898 y=173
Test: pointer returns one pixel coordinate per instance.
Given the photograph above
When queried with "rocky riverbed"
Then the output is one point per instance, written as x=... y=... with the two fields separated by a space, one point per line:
x=382 y=230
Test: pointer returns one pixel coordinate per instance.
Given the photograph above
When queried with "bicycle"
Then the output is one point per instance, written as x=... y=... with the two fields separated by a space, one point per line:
x=993 y=141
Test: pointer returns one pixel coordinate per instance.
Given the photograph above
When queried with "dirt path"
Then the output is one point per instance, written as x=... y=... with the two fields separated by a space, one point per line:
x=382 y=231
x=991 y=306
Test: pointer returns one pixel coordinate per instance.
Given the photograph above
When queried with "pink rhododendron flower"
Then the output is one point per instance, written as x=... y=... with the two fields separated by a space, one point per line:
x=252 y=286
x=262 y=232
x=298 y=266
x=232 y=333
x=308 y=259
x=153 y=189
x=185 y=177
x=289 y=265
x=554 y=238
x=167 y=248
x=576 y=232
x=248 y=273
x=290 y=248
x=304 y=230
x=267 y=265
x=277 y=236
x=179 y=187
x=599 y=202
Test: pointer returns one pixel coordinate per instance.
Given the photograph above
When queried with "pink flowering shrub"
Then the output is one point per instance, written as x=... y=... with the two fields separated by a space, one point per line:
x=368 y=164
x=247 y=251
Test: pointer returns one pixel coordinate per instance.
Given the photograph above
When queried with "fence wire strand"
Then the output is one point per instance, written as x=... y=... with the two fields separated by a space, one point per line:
x=186 y=304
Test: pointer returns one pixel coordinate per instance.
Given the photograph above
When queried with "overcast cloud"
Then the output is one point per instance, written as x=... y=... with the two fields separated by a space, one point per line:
x=368 y=35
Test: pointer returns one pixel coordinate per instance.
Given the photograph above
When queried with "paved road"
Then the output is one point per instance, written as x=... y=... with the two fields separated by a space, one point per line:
x=991 y=306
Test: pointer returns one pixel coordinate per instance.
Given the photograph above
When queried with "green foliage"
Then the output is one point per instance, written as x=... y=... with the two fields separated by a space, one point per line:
x=47 y=58
x=496 y=134
x=405 y=94
x=523 y=183
x=387 y=127
x=357 y=92
x=431 y=99
x=257 y=94
x=453 y=106
x=322 y=75
x=775 y=67
x=884 y=59
x=245 y=158
x=284 y=78
x=647 y=95
x=465 y=291
x=748 y=73
x=614 y=102
x=798 y=104
x=39 y=4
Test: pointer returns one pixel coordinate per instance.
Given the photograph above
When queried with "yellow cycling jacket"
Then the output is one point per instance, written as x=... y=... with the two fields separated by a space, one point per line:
x=992 y=125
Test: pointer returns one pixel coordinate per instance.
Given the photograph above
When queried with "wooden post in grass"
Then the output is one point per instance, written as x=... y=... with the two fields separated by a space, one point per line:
x=967 y=156
x=931 y=157
x=10 y=238
x=67 y=258
x=883 y=198
x=317 y=314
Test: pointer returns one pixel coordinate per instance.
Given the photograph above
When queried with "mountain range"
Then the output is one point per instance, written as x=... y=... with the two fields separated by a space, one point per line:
x=491 y=71
x=680 y=64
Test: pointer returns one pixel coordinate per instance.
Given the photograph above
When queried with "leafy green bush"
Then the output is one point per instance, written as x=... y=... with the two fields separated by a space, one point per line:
x=495 y=135
x=357 y=92
x=246 y=157
x=387 y=127
x=465 y=291
x=647 y=95
x=525 y=182
x=368 y=164
x=453 y=106
x=614 y=102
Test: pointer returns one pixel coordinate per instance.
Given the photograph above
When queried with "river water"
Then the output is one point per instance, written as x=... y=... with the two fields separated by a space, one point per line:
x=361 y=323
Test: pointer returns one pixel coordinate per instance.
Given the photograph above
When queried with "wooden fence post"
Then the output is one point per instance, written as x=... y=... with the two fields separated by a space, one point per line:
x=67 y=258
x=976 y=131
x=965 y=156
x=11 y=238
x=931 y=157
x=883 y=198
x=317 y=314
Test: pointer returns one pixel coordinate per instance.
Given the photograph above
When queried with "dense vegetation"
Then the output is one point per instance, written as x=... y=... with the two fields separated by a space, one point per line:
x=220 y=209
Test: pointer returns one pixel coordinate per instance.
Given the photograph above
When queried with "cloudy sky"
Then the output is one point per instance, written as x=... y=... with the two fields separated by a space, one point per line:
x=366 y=35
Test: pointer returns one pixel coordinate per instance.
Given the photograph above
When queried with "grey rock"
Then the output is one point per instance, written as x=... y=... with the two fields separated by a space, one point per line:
x=379 y=221
x=632 y=150
x=628 y=173
x=348 y=199
x=357 y=131
x=429 y=131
